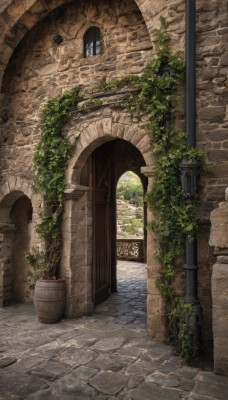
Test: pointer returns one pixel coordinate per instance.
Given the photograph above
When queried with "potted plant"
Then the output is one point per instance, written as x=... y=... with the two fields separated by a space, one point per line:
x=50 y=159
x=50 y=291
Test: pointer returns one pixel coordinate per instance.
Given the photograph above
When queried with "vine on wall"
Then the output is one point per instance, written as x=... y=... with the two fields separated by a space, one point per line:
x=156 y=96
x=50 y=159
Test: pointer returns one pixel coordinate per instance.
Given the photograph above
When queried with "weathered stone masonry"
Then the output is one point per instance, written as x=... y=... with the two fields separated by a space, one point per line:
x=33 y=67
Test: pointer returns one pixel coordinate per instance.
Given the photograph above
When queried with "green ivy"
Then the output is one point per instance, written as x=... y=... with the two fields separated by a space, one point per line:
x=157 y=97
x=50 y=159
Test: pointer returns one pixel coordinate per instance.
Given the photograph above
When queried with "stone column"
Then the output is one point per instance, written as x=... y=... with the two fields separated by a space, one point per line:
x=155 y=302
x=76 y=260
x=219 y=239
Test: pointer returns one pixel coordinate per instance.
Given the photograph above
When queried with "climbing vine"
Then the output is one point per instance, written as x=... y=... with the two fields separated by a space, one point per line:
x=157 y=97
x=50 y=159
x=155 y=94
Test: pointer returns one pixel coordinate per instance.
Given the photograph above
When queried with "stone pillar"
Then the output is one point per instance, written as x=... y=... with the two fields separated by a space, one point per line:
x=155 y=302
x=76 y=261
x=219 y=239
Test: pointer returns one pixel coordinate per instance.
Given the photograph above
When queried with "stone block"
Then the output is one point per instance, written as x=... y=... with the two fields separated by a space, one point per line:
x=212 y=114
x=217 y=135
x=78 y=306
x=152 y=288
x=107 y=125
x=109 y=382
x=221 y=355
x=219 y=224
x=220 y=315
x=210 y=385
x=220 y=321
x=156 y=327
x=155 y=304
x=217 y=155
x=224 y=59
x=220 y=280
x=130 y=131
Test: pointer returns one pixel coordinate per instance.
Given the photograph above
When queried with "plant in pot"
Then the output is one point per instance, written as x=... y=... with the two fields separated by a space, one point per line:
x=50 y=291
x=50 y=159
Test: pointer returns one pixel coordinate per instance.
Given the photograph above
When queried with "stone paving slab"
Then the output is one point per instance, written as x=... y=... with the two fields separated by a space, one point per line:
x=103 y=357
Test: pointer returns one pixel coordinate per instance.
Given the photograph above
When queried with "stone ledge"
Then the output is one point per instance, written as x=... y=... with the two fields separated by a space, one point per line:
x=75 y=192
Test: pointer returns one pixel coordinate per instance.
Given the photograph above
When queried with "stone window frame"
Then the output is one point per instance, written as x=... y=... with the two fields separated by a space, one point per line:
x=95 y=41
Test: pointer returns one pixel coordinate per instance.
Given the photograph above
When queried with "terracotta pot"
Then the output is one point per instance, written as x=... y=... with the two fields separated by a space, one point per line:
x=49 y=300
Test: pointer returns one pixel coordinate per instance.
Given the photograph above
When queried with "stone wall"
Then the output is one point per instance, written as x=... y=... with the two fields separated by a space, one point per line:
x=33 y=68
x=212 y=95
x=40 y=68
x=219 y=240
x=43 y=68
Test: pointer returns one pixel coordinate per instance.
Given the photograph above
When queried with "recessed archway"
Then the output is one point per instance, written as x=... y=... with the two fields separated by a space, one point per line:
x=15 y=222
x=81 y=210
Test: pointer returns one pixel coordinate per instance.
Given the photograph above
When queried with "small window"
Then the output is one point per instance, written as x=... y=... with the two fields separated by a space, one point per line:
x=92 y=42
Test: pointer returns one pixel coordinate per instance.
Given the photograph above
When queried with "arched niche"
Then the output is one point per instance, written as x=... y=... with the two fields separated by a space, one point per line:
x=16 y=282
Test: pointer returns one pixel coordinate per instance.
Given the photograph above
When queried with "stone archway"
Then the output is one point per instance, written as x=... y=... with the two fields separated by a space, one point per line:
x=19 y=206
x=77 y=263
x=19 y=19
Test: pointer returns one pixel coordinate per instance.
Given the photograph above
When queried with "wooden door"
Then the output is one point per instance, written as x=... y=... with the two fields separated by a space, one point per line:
x=104 y=225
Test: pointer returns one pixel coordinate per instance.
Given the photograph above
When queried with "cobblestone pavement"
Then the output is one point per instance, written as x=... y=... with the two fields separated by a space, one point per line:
x=104 y=357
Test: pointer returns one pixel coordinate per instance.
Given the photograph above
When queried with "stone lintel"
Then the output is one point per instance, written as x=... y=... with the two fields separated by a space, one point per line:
x=148 y=172
x=75 y=192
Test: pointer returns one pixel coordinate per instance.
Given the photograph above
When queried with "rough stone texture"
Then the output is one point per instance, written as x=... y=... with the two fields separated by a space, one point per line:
x=6 y=361
x=209 y=384
x=219 y=223
x=109 y=382
x=219 y=239
x=153 y=392
x=204 y=277
x=53 y=362
x=220 y=316
x=33 y=68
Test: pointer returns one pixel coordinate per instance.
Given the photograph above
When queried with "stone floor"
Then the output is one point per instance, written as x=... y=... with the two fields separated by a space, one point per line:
x=104 y=357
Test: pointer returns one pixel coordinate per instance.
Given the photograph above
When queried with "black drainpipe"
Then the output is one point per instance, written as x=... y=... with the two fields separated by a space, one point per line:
x=189 y=177
x=190 y=73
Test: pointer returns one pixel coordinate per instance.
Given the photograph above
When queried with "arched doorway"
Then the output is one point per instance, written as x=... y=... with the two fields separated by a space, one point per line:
x=109 y=161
